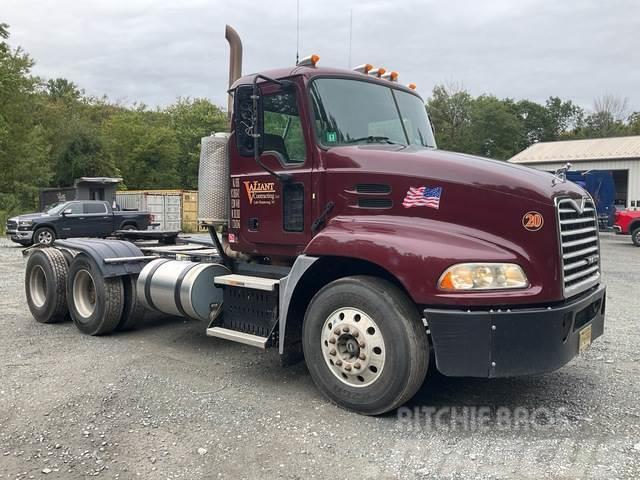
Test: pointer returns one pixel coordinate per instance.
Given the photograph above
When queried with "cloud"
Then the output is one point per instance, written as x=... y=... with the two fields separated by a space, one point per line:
x=155 y=51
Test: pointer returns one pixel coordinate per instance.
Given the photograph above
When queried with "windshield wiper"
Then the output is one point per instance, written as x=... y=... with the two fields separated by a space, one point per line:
x=373 y=139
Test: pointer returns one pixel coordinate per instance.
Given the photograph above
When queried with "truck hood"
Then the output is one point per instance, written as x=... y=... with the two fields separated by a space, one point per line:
x=439 y=166
x=28 y=216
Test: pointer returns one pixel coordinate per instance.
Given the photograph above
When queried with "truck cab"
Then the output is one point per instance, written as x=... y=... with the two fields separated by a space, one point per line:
x=344 y=236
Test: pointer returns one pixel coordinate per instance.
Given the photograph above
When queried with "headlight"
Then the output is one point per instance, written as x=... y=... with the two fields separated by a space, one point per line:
x=25 y=223
x=483 y=276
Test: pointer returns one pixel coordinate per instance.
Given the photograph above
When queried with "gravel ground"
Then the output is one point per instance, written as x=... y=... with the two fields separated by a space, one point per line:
x=165 y=401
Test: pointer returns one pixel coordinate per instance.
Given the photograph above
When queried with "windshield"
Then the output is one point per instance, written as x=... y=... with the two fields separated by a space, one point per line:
x=57 y=209
x=352 y=111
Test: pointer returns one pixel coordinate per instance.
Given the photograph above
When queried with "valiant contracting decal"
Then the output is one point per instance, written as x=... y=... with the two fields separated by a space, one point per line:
x=260 y=193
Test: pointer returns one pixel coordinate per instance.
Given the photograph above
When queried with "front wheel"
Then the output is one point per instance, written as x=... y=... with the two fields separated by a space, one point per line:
x=44 y=236
x=365 y=344
x=635 y=237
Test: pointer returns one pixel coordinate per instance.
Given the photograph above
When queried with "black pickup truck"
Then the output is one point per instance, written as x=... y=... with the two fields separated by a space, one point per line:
x=80 y=218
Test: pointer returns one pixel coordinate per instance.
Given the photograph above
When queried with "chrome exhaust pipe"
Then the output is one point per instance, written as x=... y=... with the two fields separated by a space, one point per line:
x=235 y=60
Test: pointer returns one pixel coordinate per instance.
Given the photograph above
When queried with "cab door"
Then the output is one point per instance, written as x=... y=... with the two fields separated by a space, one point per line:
x=274 y=217
x=70 y=223
x=98 y=220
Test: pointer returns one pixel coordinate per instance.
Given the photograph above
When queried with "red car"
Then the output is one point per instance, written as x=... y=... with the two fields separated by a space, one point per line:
x=628 y=222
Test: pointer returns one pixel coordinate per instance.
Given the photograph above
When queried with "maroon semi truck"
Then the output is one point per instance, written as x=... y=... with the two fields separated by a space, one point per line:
x=346 y=236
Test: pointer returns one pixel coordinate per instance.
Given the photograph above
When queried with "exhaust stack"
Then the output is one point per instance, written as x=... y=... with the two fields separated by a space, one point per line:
x=235 y=60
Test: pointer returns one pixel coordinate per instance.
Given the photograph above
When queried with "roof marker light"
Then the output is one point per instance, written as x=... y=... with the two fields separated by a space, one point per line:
x=412 y=86
x=309 y=61
x=377 y=72
x=364 y=68
x=391 y=76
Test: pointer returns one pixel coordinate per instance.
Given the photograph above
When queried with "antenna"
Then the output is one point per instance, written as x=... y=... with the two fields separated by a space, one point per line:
x=350 y=34
x=297 y=30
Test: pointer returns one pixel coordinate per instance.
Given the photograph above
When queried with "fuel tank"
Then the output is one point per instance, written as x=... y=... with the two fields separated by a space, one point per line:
x=184 y=289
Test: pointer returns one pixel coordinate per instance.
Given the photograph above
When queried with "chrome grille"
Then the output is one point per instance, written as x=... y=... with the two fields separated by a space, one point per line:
x=580 y=247
x=11 y=225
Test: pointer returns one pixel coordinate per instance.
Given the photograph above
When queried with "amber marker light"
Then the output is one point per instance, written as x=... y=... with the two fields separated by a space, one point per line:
x=309 y=61
x=364 y=68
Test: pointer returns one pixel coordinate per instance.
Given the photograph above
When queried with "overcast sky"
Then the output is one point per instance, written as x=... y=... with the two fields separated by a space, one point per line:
x=156 y=50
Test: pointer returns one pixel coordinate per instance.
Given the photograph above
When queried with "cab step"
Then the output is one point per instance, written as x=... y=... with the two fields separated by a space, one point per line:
x=246 y=281
x=239 y=337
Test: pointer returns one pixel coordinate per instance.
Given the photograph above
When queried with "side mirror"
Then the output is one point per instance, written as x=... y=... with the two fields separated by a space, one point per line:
x=248 y=120
x=67 y=211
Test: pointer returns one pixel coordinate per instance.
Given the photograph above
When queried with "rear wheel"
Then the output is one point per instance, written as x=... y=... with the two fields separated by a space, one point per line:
x=365 y=344
x=44 y=282
x=95 y=303
x=129 y=227
x=44 y=236
x=635 y=236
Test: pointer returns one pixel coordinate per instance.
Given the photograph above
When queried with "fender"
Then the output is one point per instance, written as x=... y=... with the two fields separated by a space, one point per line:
x=98 y=250
x=416 y=251
x=35 y=226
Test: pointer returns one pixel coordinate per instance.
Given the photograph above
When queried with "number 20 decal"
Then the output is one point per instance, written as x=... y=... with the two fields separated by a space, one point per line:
x=532 y=221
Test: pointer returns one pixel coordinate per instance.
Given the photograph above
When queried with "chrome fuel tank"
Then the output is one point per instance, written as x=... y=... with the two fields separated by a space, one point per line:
x=184 y=289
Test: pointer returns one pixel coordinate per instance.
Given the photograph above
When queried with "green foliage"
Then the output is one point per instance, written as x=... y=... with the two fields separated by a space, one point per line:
x=500 y=128
x=51 y=133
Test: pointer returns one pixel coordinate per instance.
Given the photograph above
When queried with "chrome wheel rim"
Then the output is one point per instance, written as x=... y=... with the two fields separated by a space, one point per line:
x=38 y=286
x=45 y=237
x=353 y=347
x=84 y=293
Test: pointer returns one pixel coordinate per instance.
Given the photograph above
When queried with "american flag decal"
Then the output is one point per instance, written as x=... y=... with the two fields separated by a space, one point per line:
x=423 y=197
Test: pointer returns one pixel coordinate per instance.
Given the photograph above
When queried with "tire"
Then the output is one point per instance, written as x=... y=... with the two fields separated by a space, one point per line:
x=635 y=236
x=133 y=310
x=45 y=285
x=129 y=227
x=95 y=303
x=44 y=236
x=389 y=360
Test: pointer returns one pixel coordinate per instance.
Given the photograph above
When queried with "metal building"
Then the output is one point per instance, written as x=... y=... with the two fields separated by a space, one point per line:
x=84 y=188
x=619 y=155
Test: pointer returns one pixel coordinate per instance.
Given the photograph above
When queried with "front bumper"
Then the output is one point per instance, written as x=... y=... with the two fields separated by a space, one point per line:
x=617 y=228
x=507 y=343
x=20 y=236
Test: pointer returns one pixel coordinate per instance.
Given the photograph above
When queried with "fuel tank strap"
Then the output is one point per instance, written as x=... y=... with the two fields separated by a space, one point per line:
x=176 y=292
x=147 y=286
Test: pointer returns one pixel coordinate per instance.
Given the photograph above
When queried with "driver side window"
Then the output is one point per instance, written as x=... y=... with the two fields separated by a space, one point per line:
x=75 y=207
x=282 y=128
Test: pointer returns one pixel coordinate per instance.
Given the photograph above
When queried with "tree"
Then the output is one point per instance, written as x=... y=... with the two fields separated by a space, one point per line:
x=143 y=149
x=63 y=89
x=495 y=127
x=450 y=110
x=23 y=153
x=191 y=120
x=607 y=119
x=634 y=123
